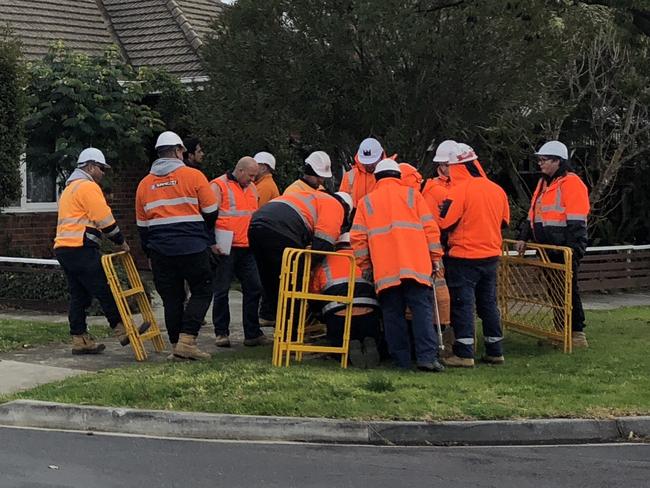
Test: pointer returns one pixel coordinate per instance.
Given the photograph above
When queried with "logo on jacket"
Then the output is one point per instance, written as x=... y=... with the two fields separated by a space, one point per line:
x=164 y=184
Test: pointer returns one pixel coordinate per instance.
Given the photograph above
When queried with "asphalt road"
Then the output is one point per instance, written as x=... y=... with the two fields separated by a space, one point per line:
x=36 y=458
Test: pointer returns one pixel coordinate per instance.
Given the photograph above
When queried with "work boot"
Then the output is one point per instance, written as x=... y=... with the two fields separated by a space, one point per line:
x=432 y=367
x=493 y=359
x=222 y=341
x=84 y=344
x=448 y=341
x=267 y=322
x=187 y=348
x=579 y=339
x=371 y=352
x=260 y=340
x=355 y=354
x=120 y=332
x=454 y=361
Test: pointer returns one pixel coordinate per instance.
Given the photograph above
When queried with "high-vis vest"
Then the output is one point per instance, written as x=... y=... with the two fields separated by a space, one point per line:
x=300 y=186
x=410 y=176
x=169 y=205
x=331 y=278
x=559 y=210
x=358 y=182
x=475 y=211
x=321 y=213
x=394 y=236
x=267 y=190
x=237 y=207
x=83 y=213
x=435 y=193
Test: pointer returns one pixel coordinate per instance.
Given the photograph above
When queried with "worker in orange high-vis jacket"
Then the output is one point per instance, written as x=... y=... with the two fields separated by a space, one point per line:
x=317 y=169
x=176 y=211
x=238 y=196
x=331 y=277
x=396 y=244
x=558 y=216
x=267 y=190
x=297 y=220
x=472 y=218
x=84 y=216
x=360 y=180
x=435 y=193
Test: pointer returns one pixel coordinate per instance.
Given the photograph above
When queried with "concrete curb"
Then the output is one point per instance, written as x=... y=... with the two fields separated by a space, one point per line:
x=29 y=413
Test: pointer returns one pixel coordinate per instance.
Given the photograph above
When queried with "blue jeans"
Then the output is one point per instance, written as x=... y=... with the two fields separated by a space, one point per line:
x=240 y=263
x=419 y=298
x=474 y=283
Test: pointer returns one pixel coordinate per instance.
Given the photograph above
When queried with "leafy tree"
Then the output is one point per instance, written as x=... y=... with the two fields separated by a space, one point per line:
x=77 y=101
x=11 y=113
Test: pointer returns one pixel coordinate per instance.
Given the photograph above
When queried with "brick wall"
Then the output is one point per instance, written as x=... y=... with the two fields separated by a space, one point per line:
x=32 y=234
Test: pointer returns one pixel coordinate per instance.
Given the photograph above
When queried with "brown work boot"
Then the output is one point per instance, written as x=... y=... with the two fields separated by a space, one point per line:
x=187 y=348
x=222 y=341
x=454 y=361
x=448 y=341
x=260 y=340
x=84 y=344
x=579 y=339
x=120 y=332
x=493 y=359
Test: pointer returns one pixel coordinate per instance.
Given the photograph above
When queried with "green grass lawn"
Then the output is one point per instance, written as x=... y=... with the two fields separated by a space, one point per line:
x=612 y=377
x=19 y=334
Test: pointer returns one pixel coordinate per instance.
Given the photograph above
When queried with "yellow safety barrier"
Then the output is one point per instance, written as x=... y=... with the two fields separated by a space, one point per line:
x=294 y=287
x=135 y=290
x=535 y=291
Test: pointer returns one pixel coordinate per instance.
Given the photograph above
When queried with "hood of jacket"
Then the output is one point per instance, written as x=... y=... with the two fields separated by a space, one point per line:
x=78 y=174
x=164 y=166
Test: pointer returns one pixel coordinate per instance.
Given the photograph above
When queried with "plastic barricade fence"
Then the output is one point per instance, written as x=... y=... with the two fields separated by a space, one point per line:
x=113 y=263
x=292 y=308
x=534 y=291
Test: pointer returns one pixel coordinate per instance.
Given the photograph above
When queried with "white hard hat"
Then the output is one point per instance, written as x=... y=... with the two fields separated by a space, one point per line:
x=465 y=153
x=265 y=158
x=347 y=199
x=92 y=155
x=344 y=238
x=554 y=148
x=320 y=163
x=370 y=151
x=169 y=138
x=445 y=151
x=387 y=165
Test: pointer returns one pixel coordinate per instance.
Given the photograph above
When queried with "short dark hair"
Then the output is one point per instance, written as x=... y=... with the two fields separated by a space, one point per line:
x=191 y=143
x=166 y=151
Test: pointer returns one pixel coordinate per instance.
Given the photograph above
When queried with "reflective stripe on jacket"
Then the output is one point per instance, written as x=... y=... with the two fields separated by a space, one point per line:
x=475 y=211
x=169 y=205
x=84 y=214
x=558 y=212
x=321 y=213
x=394 y=236
x=237 y=207
x=358 y=182
x=331 y=278
x=267 y=190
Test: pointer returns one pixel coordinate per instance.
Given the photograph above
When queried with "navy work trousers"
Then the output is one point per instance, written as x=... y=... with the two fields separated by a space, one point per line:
x=240 y=263
x=86 y=279
x=473 y=283
x=419 y=298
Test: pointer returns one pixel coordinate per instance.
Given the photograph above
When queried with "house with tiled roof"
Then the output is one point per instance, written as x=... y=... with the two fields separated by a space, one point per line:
x=165 y=34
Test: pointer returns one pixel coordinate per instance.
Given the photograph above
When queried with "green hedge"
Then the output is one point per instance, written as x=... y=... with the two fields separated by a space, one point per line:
x=12 y=105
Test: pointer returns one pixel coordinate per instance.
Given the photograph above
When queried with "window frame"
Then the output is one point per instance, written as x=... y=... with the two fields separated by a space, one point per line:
x=31 y=207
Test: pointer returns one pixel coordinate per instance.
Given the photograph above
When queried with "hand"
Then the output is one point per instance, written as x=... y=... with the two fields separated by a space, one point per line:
x=216 y=249
x=520 y=247
x=124 y=247
x=437 y=266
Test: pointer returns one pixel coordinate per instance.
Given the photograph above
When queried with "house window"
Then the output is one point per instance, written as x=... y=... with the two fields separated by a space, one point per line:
x=38 y=193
